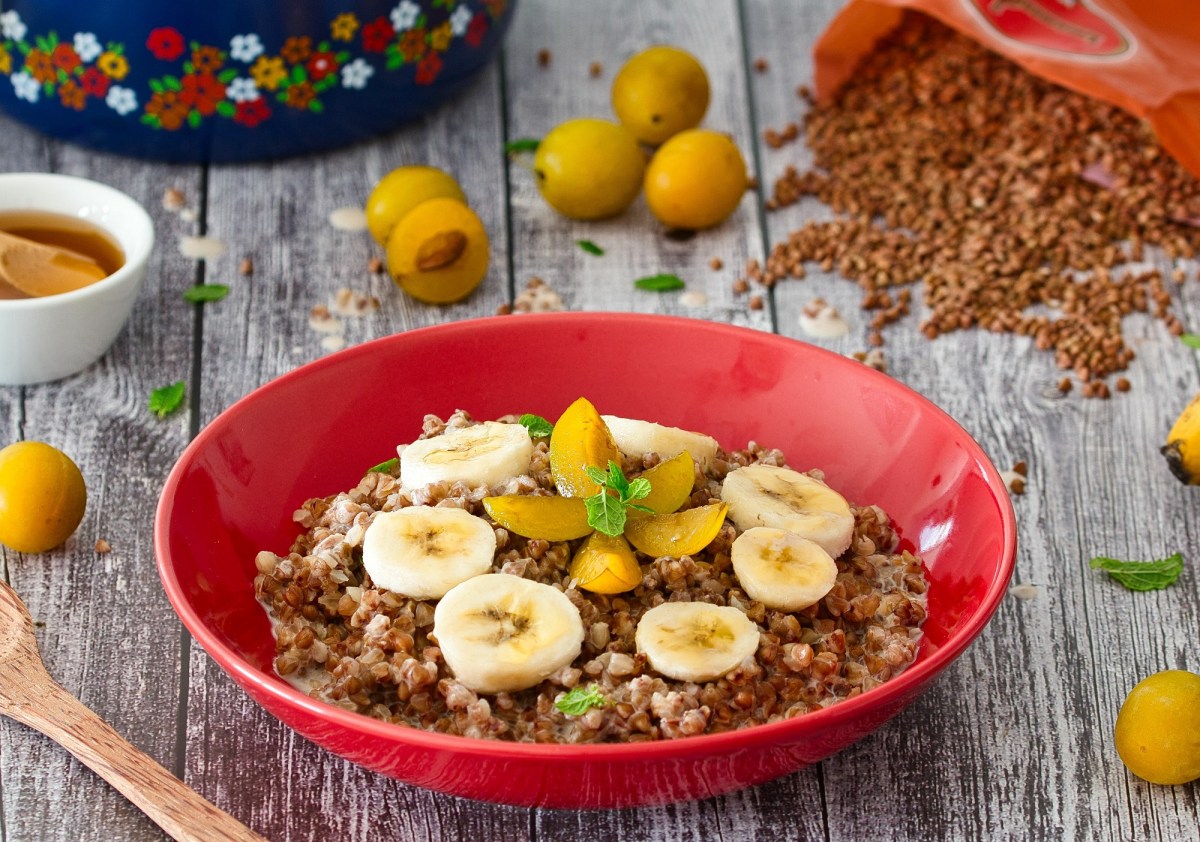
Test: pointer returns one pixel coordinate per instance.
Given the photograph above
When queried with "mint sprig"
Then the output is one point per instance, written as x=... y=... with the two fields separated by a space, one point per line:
x=608 y=509
x=523 y=144
x=577 y=701
x=385 y=467
x=205 y=292
x=660 y=283
x=165 y=400
x=1142 y=575
x=538 y=427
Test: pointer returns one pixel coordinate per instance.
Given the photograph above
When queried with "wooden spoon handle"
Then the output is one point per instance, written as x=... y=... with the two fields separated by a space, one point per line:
x=175 y=807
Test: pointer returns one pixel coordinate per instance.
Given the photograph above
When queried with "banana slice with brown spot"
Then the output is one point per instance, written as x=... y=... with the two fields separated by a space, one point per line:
x=765 y=495
x=695 y=641
x=424 y=551
x=501 y=633
x=782 y=570
x=488 y=454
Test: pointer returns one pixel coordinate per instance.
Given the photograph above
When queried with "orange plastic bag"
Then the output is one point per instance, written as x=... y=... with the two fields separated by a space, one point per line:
x=1141 y=55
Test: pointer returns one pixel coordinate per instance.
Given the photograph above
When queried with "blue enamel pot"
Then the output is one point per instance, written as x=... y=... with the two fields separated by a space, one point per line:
x=236 y=80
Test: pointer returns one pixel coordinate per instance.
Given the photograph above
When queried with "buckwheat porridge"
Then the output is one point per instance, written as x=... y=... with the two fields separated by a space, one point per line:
x=614 y=580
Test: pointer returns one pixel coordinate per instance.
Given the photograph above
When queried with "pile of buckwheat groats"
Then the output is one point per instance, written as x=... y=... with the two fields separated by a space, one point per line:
x=1000 y=191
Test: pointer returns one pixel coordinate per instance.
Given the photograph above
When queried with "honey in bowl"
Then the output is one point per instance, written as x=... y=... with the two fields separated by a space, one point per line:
x=55 y=254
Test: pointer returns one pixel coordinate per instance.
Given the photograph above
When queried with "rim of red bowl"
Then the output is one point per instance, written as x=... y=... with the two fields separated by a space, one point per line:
x=705 y=744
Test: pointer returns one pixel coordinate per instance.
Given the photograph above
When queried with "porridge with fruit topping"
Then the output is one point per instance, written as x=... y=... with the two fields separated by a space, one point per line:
x=601 y=579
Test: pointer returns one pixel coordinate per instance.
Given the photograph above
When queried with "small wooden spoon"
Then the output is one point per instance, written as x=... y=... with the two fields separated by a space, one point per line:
x=37 y=269
x=30 y=696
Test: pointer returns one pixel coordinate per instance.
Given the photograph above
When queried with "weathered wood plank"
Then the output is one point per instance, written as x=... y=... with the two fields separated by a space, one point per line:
x=539 y=98
x=109 y=636
x=1014 y=742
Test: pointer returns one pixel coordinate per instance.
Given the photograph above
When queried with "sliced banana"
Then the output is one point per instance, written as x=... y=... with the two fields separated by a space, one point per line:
x=424 y=551
x=503 y=633
x=635 y=437
x=695 y=641
x=488 y=454
x=782 y=570
x=764 y=495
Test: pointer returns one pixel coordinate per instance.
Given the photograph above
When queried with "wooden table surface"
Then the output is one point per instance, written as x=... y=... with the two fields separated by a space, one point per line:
x=1013 y=742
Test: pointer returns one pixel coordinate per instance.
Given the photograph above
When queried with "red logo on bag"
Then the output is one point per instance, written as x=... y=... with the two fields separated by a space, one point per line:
x=1064 y=26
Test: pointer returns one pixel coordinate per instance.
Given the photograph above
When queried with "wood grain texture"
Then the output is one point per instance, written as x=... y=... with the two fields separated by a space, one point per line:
x=539 y=98
x=109 y=635
x=1013 y=742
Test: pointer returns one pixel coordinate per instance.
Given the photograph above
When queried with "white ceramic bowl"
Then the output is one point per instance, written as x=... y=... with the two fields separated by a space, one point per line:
x=51 y=337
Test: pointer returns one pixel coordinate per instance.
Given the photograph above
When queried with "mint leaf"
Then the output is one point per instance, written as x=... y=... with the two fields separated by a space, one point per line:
x=596 y=475
x=617 y=481
x=524 y=144
x=538 y=427
x=638 y=489
x=590 y=247
x=385 y=467
x=205 y=292
x=577 y=701
x=165 y=400
x=1192 y=340
x=659 y=283
x=606 y=513
x=1142 y=575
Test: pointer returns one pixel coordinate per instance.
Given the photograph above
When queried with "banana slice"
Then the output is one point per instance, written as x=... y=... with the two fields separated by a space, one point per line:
x=504 y=633
x=695 y=641
x=488 y=454
x=424 y=551
x=634 y=438
x=782 y=570
x=764 y=495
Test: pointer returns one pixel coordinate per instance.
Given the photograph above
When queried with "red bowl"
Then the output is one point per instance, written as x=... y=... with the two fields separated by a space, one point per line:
x=313 y=431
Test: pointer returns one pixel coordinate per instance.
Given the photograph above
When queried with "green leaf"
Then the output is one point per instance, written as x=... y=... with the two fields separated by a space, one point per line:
x=172 y=83
x=394 y=60
x=577 y=701
x=590 y=247
x=226 y=108
x=299 y=74
x=385 y=467
x=48 y=88
x=524 y=144
x=659 y=283
x=323 y=47
x=538 y=427
x=205 y=292
x=325 y=84
x=227 y=76
x=617 y=481
x=606 y=513
x=193 y=118
x=24 y=48
x=62 y=76
x=315 y=106
x=638 y=489
x=152 y=121
x=166 y=400
x=156 y=86
x=43 y=45
x=1192 y=340
x=188 y=67
x=342 y=57
x=1142 y=575
x=597 y=476
x=194 y=45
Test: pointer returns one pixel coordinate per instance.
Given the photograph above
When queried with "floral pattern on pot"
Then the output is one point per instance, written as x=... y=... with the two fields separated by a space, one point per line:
x=240 y=81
